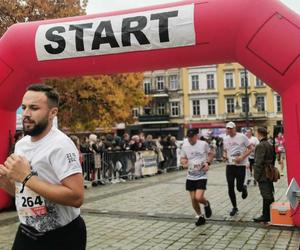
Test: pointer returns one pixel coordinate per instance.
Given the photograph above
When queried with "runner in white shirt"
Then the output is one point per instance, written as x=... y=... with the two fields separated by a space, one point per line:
x=249 y=169
x=235 y=154
x=196 y=157
x=45 y=176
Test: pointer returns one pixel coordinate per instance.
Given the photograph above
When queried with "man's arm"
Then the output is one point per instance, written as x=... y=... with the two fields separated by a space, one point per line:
x=248 y=151
x=184 y=161
x=225 y=158
x=5 y=183
x=69 y=193
x=245 y=154
x=183 y=158
x=210 y=156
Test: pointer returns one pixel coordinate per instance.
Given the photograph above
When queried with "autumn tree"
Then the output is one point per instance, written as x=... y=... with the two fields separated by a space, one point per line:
x=18 y=11
x=102 y=101
x=87 y=102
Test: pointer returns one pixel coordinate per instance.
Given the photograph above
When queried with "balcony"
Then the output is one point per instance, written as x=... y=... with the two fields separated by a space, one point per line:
x=259 y=115
x=232 y=116
x=154 y=118
x=157 y=92
x=242 y=115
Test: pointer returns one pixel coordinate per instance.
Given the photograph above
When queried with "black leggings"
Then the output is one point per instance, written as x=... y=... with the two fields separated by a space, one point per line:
x=72 y=236
x=251 y=163
x=235 y=172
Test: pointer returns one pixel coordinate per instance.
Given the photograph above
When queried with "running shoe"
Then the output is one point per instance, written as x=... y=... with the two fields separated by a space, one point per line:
x=201 y=221
x=244 y=192
x=207 y=210
x=233 y=211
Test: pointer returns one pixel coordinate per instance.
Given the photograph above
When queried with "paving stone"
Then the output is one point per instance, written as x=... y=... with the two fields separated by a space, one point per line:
x=120 y=219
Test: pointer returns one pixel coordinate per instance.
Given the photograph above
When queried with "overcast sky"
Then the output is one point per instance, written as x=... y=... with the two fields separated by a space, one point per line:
x=96 y=6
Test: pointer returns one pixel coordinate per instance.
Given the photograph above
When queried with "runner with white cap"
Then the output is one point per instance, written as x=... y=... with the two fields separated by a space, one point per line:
x=235 y=154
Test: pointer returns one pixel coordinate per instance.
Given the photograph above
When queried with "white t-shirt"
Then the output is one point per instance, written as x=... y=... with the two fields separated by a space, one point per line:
x=197 y=156
x=253 y=141
x=54 y=158
x=236 y=146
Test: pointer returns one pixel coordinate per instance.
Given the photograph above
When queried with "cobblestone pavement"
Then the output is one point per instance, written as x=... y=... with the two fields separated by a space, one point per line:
x=156 y=213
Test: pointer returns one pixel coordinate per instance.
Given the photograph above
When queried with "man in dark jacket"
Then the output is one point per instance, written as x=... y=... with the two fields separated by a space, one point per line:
x=263 y=156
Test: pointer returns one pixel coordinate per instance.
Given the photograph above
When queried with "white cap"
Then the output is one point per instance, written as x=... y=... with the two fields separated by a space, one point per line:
x=230 y=125
x=93 y=137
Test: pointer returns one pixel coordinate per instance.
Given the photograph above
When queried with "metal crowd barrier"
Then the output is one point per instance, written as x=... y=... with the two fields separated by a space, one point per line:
x=117 y=166
x=170 y=158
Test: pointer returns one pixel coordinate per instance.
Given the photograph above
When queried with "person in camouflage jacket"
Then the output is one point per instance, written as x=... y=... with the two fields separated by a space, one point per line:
x=264 y=156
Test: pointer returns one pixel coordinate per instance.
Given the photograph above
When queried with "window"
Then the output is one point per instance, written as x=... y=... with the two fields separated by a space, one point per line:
x=160 y=83
x=243 y=78
x=259 y=82
x=260 y=103
x=211 y=103
x=278 y=104
x=147 y=87
x=229 y=80
x=174 y=83
x=245 y=104
x=195 y=82
x=196 y=107
x=230 y=105
x=175 y=110
x=147 y=110
x=161 y=107
x=135 y=112
x=210 y=79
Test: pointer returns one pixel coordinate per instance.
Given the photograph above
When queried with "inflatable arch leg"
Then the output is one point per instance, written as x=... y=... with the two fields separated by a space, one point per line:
x=291 y=113
x=9 y=123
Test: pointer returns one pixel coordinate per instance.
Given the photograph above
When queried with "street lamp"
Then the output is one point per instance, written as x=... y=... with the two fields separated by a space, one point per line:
x=247 y=99
x=245 y=104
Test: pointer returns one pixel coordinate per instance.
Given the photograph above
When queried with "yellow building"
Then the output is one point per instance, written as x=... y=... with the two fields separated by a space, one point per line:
x=216 y=94
x=206 y=97
x=264 y=105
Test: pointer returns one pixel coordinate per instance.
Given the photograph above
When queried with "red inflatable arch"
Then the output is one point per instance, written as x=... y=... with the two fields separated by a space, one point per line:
x=263 y=36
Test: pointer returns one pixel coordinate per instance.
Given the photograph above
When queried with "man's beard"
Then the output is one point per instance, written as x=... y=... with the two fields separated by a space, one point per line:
x=37 y=129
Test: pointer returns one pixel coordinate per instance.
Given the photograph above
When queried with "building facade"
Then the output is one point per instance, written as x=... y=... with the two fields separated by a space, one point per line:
x=246 y=99
x=203 y=98
x=164 y=114
x=206 y=97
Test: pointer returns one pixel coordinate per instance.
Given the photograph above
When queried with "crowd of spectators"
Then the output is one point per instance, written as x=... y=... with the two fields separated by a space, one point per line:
x=116 y=143
x=92 y=148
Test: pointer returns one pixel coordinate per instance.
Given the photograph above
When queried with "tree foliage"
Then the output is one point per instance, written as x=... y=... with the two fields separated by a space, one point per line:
x=102 y=101
x=17 y=11
x=87 y=102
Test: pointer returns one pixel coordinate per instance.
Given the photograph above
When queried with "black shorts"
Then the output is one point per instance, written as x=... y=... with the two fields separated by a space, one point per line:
x=194 y=185
x=72 y=236
x=280 y=156
x=251 y=161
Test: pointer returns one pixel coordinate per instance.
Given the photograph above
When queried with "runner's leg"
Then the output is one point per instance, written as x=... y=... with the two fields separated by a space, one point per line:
x=230 y=176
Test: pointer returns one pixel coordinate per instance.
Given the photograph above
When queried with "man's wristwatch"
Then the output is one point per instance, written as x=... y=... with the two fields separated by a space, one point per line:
x=32 y=173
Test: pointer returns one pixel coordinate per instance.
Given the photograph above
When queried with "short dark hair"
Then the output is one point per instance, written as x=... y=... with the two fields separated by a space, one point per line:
x=192 y=131
x=50 y=92
x=262 y=131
